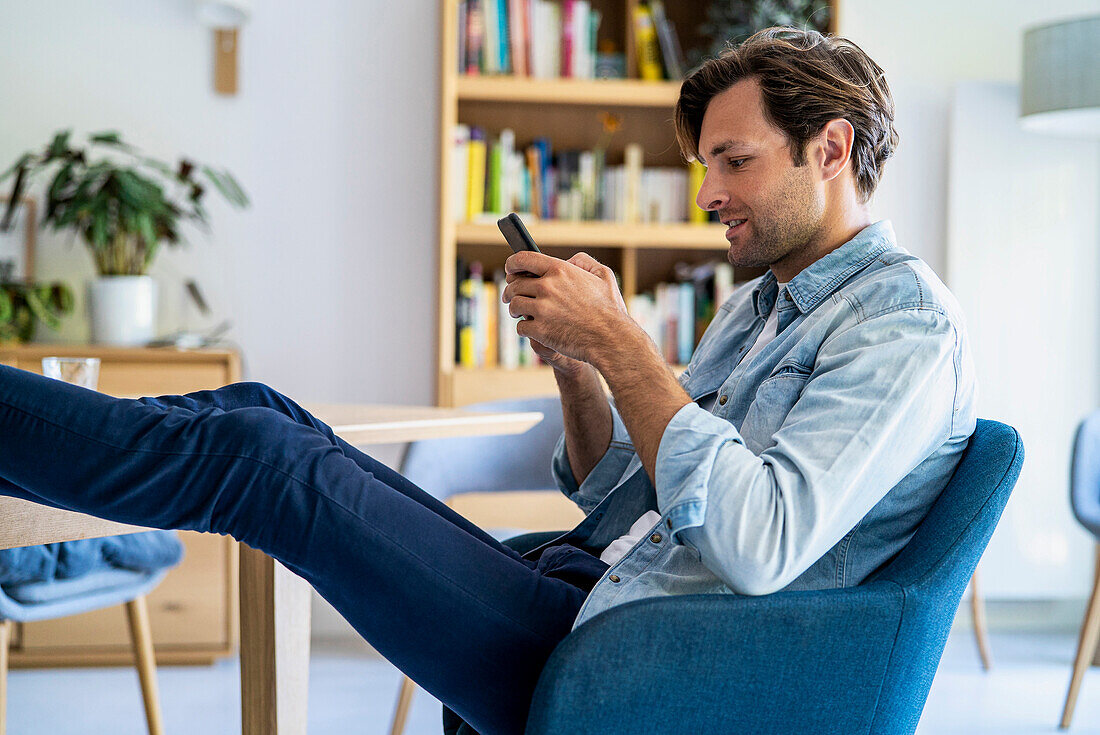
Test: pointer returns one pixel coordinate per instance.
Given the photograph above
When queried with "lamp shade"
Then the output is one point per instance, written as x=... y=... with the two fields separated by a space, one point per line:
x=1060 y=92
x=223 y=13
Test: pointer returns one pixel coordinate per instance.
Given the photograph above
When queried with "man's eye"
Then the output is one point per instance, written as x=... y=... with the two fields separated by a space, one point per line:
x=737 y=162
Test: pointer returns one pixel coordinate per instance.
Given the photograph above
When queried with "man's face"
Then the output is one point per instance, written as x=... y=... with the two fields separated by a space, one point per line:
x=772 y=208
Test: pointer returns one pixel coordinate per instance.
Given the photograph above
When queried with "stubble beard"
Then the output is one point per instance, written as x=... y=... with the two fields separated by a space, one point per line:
x=787 y=226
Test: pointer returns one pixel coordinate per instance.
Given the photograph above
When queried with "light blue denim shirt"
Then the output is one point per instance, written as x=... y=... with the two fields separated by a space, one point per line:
x=818 y=457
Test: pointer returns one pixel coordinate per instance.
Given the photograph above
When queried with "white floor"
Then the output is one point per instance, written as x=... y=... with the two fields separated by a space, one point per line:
x=352 y=693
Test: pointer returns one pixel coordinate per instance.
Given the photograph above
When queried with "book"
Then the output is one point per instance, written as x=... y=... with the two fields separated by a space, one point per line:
x=507 y=339
x=488 y=323
x=568 y=25
x=645 y=43
x=475 y=174
x=466 y=340
x=490 y=51
x=666 y=36
x=475 y=37
x=632 y=183
x=518 y=35
x=504 y=53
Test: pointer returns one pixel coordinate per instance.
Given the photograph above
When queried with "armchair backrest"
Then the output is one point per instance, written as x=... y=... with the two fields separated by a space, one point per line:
x=935 y=566
x=1084 y=475
x=444 y=467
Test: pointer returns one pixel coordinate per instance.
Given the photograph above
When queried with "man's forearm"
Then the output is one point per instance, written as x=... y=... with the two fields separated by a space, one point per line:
x=587 y=418
x=646 y=392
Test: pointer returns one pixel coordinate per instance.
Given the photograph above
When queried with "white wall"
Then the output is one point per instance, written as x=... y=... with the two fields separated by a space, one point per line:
x=1023 y=252
x=924 y=48
x=329 y=277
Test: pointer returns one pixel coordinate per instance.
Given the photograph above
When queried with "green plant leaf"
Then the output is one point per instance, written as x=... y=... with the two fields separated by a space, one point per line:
x=59 y=146
x=7 y=309
x=111 y=139
x=40 y=310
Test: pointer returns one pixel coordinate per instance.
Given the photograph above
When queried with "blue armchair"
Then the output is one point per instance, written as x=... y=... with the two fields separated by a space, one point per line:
x=852 y=660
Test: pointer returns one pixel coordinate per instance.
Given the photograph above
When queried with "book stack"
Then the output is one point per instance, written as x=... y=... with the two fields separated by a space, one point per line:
x=675 y=315
x=485 y=333
x=492 y=178
x=545 y=39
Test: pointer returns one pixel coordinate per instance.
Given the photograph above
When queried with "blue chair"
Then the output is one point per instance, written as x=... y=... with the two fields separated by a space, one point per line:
x=502 y=484
x=852 y=660
x=46 y=600
x=1084 y=496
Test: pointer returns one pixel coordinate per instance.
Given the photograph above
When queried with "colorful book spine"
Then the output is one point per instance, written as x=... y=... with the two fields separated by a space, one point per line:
x=466 y=341
x=475 y=37
x=475 y=175
x=490 y=54
x=504 y=54
x=666 y=36
x=518 y=35
x=632 y=183
x=489 y=312
x=645 y=42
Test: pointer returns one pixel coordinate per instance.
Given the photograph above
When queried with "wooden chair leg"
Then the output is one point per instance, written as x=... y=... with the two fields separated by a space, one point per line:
x=1086 y=646
x=977 y=613
x=5 y=642
x=142 y=639
x=401 y=713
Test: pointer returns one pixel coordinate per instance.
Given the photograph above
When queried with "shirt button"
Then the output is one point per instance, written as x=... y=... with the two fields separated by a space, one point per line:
x=655 y=538
x=722 y=400
x=614 y=577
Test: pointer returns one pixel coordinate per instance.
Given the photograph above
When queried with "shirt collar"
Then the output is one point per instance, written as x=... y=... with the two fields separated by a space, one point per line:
x=822 y=277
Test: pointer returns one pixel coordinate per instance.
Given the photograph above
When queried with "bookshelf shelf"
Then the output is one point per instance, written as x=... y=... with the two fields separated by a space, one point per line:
x=604 y=234
x=601 y=92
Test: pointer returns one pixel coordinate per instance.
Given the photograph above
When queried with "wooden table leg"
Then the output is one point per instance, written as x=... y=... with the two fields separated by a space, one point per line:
x=275 y=612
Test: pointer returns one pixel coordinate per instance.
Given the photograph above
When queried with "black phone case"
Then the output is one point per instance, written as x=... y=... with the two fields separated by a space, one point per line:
x=516 y=233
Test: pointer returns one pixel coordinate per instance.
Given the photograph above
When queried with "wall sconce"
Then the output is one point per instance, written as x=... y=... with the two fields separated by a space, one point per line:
x=225 y=17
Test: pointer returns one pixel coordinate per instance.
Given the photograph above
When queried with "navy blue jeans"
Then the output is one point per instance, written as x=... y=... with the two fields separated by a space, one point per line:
x=465 y=617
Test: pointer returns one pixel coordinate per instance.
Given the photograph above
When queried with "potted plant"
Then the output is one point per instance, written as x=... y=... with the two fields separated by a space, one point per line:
x=124 y=208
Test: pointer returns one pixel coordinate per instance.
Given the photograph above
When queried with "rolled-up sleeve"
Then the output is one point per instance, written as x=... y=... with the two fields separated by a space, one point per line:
x=878 y=400
x=604 y=476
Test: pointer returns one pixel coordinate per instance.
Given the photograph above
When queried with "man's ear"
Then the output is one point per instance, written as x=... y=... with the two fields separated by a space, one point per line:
x=835 y=143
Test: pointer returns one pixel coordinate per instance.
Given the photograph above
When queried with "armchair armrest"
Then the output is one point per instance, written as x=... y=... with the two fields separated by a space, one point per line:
x=788 y=662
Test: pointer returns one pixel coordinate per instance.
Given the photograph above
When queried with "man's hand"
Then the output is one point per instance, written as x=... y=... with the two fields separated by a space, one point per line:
x=571 y=308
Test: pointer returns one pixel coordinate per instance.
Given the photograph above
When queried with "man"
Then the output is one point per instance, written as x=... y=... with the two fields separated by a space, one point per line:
x=813 y=428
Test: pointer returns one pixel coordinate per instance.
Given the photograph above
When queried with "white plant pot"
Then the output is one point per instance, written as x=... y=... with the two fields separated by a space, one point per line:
x=123 y=310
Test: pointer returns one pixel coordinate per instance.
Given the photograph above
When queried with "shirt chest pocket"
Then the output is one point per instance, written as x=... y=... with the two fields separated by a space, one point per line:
x=774 y=399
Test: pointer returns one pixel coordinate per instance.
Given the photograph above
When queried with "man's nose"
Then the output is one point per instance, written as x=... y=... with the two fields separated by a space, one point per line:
x=711 y=195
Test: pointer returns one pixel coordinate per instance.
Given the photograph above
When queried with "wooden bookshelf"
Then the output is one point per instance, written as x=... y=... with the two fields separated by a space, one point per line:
x=566 y=111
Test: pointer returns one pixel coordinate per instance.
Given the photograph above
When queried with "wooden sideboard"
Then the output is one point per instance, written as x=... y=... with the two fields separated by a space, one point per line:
x=193 y=613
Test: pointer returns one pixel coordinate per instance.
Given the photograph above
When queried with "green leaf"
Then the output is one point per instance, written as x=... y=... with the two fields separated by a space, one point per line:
x=6 y=306
x=40 y=309
x=59 y=146
x=112 y=139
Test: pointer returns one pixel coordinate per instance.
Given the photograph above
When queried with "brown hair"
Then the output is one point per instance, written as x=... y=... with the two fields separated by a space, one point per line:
x=806 y=79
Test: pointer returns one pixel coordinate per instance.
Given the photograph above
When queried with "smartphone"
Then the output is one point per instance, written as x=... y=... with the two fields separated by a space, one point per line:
x=516 y=234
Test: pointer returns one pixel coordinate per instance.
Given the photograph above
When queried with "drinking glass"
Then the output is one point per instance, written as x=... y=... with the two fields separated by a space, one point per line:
x=82 y=371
